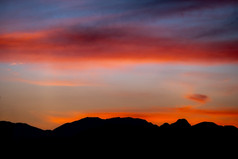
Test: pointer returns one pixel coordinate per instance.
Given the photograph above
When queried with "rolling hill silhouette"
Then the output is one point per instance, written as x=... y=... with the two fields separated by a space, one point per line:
x=95 y=127
x=9 y=130
x=107 y=126
x=118 y=135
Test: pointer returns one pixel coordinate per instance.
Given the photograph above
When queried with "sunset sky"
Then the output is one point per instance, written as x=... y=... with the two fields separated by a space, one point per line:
x=160 y=60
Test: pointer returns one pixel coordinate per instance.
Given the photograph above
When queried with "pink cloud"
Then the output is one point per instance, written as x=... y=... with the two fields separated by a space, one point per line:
x=110 y=44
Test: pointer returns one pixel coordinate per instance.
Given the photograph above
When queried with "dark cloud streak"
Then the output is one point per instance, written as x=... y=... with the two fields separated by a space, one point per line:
x=201 y=98
x=121 y=30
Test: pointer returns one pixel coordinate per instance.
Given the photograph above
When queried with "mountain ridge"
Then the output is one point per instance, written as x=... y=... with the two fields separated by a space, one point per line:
x=117 y=134
x=165 y=124
x=87 y=124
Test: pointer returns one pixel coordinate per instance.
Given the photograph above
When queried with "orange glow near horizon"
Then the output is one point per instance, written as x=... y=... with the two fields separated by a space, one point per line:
x=169 y=115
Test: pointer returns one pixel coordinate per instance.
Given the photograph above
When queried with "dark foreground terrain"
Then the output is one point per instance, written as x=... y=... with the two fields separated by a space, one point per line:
x=119 y=134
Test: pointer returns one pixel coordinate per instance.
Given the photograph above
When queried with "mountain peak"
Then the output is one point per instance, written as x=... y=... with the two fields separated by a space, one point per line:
x=181 y=123
x=207 y=125
x=165 y=125
x=89 y=119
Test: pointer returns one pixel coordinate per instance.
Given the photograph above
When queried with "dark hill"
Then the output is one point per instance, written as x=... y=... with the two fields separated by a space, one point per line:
x=118 y=136
x=95 y=125
x=181 y=124
x=207 y=125
x=76 y=127
x=9 y=130
x=116 y=131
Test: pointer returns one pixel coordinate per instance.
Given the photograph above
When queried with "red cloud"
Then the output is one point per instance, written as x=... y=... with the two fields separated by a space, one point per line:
x=114 y=44
x=198 y=98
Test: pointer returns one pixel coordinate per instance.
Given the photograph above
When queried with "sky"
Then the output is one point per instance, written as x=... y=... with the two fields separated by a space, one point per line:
x=158 y=60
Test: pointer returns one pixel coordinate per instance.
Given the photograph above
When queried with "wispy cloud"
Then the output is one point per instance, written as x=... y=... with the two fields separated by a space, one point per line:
x=109 y=44
x=144 y=30
x=211 y=112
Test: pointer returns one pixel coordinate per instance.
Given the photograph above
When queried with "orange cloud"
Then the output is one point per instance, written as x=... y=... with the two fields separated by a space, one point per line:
x=201 y=98
x=213 y=112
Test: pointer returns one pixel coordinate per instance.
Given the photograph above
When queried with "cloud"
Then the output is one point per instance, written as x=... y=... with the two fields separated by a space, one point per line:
x=201 y=98
x=148 y=9
x=112 y=43
x=211 y=112
x=132 y=30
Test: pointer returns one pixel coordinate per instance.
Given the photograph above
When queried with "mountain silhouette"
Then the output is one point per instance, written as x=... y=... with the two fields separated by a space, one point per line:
x=114 y=134
x=76 y=127
x=180 y=123
x=95 y=124
x=104 y=129
x=19 y=130
x=207 y=125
